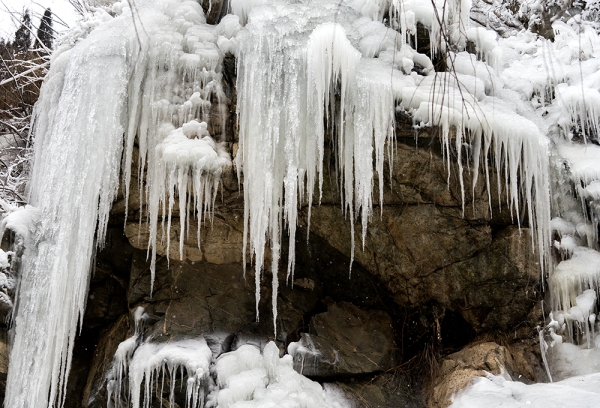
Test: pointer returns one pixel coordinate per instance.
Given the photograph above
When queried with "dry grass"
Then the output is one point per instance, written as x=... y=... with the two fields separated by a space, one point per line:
x=21 y=76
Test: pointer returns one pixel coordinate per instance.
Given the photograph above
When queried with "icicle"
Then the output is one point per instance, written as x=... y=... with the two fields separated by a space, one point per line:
x=74 y=182
x=188 y=160
x=145 y=363
x=285 y=90
x=117 y=71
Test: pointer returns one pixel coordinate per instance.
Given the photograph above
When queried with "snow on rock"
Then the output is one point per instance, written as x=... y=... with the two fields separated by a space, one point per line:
x=4 y=262
x=190 y=162
x=583 y=161
x=241 y=378
x=591 y=191
x=485 y=44
x=20 y=220
x=189 y=357
x=149 y=364
x=242 y=8
x=573 y=276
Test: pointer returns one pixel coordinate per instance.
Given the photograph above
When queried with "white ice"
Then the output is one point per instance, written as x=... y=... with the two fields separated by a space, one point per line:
x=312 y=75
x=74 y=182
x=248 y=379
x=144 y=366
x=110 y=77
x=4 y=262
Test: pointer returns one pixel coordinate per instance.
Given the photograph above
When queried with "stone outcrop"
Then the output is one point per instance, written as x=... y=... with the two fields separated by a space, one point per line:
x=430 y=272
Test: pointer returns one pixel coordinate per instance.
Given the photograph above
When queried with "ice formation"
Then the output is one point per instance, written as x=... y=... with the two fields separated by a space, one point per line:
x=244 y=377
x=248 y=379
x=561 y=81
x=188 y=160
x=151 y=363
x=350 y=75
x=312 y=76
x=4 y=263
x=73 y=185
x=162 y=69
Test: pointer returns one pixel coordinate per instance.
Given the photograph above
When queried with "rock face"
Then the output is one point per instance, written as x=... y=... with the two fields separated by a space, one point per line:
x=430 y=273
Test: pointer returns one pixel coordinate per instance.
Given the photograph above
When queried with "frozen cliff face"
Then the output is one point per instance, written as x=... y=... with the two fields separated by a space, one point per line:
x=313 y=78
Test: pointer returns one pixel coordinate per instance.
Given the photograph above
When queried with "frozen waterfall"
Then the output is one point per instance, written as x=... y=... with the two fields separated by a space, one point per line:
x=79 y=139
x=311 y=76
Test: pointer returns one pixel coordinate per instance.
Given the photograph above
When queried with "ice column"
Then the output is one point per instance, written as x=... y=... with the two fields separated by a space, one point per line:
x=79 y=140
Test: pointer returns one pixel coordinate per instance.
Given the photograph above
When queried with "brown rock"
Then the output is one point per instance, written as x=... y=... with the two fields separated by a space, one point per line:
x=459 y=369
x=347 y=341
x=494 y=289
x=94 y=395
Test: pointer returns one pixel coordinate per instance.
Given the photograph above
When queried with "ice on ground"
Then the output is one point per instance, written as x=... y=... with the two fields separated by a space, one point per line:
x=245 y=377
x=248 y=379
x=570 y=360
x=498 y=391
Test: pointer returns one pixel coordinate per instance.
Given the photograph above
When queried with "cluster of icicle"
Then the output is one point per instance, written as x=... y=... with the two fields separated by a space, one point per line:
x=178 y=72
x=130 y=75
x=242 y=377
x=561 y=80
x=144 y=364
x=187 y=160
x=304 y=64
x=307 y=71
x=568 y=68
x=79 y=139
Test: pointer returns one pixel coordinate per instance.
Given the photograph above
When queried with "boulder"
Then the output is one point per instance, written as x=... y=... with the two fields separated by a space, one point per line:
x=458 y=370
x=345 y=341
